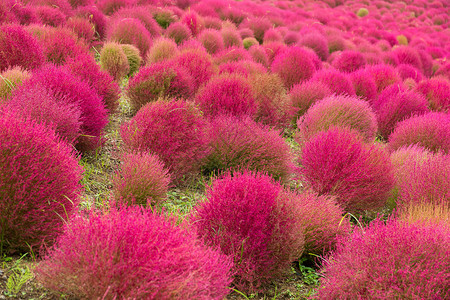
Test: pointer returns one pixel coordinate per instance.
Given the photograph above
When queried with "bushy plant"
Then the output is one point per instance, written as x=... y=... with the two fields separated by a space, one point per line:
x=132 y=253
x=51 y=16
x=273 y=35
x=395 y=104
x=164 y=17
x=212 y=40
x=39 y=184
x=130 y=31
x=178 y=32
x=192 y=20
x=383 y=75
x=406 y=71
x=19 y=48
x=108 y=7
x=393 y=260
x=182 y=149
x=114 y=60
x=339 y=163
x=250 y=218
x=362 y=12
x=87 y=70
x=133 y=57
x=304 y=95
x=336 y=81
x=236 y=144
x=142 y=179
x=259 y=55
x=259 y=26
x=11 y=79
x=231 y=54
x=60 y=83
x=244 y=68
x=425 y=213
x=317 y=42
x=226 y=94
x=364 y=85
x=340 y=111
x=431 y=131
x=163 y=79
x=162 y=49
x=437 y=92
x=248 y=42
x=141 y=13
x=408 y=55
x=96 y=17
x=231 y=38
x=294 y=66
x=82 y=27
x=349 y=61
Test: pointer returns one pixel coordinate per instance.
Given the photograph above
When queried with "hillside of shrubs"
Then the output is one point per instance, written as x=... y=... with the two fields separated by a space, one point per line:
x=224 y=149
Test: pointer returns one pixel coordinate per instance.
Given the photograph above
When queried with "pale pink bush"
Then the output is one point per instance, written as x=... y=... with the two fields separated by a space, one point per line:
x=336 y=81
x=306 y=94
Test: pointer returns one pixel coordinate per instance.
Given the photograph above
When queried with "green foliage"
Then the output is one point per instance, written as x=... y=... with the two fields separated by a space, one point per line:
x=249 y=41
x=133 y=57
x=362 y=12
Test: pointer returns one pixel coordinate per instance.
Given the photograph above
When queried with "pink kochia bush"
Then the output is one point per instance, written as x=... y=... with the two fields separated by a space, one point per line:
x=349 y=61
x=390 y=261
x=130 y=31
x=19 y=48
x=336 y=81
x=132 y=253
x=226 y=94
x=431 y=131
x=39 y=183
x=293 y=65
x=338 y=162
x=304 y=95
x=173 y=130
x=142 y=179
x=163 y=79
x=252 y=219
x=437 y=92
x=341 y=111
x=243 y=144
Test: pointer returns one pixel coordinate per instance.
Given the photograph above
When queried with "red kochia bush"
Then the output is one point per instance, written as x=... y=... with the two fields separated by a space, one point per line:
x=383 y=75
x=250 y=218
x=39 y=187
x=226 y=94
x=163 y=79
x=317 y=42
x=19 y=48
x=390 y=261
x=51 y=16
x=349 y=61
x=395 y=104
x=241 y=143
x=364 y=85
x=293 y=65
x=338 y=162
x=172 y=130
x=130 y=31
x=142 y=179
x=132 y=253
x=306 y=94
x=431 y=131
x=437 y=92
x=179 y=32
x=338 y=110
x=336 y=81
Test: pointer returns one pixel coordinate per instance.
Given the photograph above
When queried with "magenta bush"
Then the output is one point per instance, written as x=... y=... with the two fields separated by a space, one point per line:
x=130 y=31
x=95 y=16
x=336 y=81
x=236 y=144
x=19 y=48
x=192 y=20
x=142 y=179
x=317 y=42
x=306 y=94
x=173 y=130
x=437 y=92
x=293 y=65
x=349 y=61
x=226 y=94
x=383 y=75
x=259 y=55
x=39 y=184
x=408 y=55
x=396 y=103
x=60 y=83
x=179 y=32
x=132 y=253
x=338 y=111
x=212 y=40
x=231 y=54
x=163 y=79
x=252 y=220
x=406 y=71
x=82 y=27
x=389 y=261
x=431 y=131
x=339 y=163
x=231 y=38
x=143 y=14
x=108 y=7
x=364 y=85
x=51 y=16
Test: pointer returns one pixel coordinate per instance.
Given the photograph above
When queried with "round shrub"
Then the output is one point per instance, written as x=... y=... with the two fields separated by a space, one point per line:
x=11 y=79
x=142 y=14
x=131 y=253
x=339 y=163
x=408 y=55
x=192 y=20
x=39 y=184
x=164 y=17
x=273 y=35
x=162 y=49
x=51 y=16
x=338 y=111
x=383 y=75
x=86 y=69
x=306 y=94
x=212 y=40
x=409 y=72
x=364 y=85
x=252 y=220
x=362 y=12
x=60 y=83
x=293 y=66
x=259 y=55
x=96 y=17
x=82 y=28
x=231 y=54
x=226 y=94
x=178 y=32
x=402 y=40
x=133 y=58
x=349 y=61
x=182 y=149
x=231 y=38
x=393 y=260
x=395 y=104
x=19 y=48
x=259 y=26
x=437 y=92
x=114 y=60
x=142 y=179
x=431 y=131
x=108 y=7
x=317 y=42
x=130 y=31
x=336 y=81
x=163 y=79
x=248 y=42
x=236 y=144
